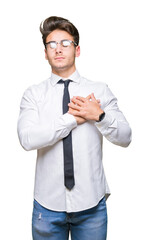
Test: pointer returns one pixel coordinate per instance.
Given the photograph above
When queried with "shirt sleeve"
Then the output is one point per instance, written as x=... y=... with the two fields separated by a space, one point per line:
x=35 y=135
x=114 y=126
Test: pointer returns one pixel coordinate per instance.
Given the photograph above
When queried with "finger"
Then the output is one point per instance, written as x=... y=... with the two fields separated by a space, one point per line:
x=76 y=101
x=88 y=97
x=93 y=97
x=74 y=112
x=81 y=99
x=73 y=106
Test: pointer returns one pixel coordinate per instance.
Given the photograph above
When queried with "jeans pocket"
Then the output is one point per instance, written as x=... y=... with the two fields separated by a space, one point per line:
x=102 y=206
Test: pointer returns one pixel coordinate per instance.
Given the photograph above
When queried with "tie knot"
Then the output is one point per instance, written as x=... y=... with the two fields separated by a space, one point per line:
x=66 y=82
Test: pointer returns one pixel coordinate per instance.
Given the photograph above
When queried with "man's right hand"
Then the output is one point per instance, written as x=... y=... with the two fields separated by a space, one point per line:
x=79 y=120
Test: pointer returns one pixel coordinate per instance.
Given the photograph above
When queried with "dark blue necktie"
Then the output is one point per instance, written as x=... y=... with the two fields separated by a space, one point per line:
x=67 y=143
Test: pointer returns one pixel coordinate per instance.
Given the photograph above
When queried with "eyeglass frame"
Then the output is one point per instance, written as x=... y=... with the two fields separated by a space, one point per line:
x=70 y=41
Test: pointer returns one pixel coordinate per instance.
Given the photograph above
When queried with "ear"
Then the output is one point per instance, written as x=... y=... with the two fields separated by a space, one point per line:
x=77 y=51
x=46 y=57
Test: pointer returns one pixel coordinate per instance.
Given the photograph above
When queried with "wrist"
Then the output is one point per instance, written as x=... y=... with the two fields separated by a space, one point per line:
x=100 y=116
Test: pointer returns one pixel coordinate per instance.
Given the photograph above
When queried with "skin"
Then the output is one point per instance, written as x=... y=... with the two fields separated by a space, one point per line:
x=62 y=61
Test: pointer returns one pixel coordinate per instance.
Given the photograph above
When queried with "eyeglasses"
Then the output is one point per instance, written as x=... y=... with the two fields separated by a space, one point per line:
x=64 y=43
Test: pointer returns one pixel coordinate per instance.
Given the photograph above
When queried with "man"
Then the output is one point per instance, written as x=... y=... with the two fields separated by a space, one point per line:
x=65 y=119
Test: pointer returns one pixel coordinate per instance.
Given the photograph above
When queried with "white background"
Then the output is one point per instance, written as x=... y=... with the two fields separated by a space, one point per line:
x=114 y=49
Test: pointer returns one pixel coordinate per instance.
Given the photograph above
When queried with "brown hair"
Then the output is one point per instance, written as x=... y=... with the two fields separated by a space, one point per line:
x=52 y=23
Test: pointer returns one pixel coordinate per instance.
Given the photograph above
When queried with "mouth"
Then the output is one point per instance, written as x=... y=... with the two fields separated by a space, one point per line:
x=59 y=58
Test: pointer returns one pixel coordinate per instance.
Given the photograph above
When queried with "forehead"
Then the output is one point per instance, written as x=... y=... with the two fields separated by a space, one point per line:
x=58 y=35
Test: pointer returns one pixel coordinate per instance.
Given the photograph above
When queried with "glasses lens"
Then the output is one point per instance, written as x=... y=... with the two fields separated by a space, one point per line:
x=65 y=43
x=52 y=44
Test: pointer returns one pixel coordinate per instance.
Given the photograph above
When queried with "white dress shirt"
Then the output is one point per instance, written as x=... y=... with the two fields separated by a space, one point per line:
x=42 y=126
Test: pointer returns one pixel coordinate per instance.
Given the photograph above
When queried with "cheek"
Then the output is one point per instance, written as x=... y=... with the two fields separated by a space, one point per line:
x=72 y=55
x=48 y=55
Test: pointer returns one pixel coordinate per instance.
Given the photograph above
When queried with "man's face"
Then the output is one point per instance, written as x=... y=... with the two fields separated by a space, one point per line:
x=61 y=59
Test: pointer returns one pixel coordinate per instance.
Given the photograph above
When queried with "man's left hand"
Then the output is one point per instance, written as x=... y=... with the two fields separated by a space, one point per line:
x=88 y=108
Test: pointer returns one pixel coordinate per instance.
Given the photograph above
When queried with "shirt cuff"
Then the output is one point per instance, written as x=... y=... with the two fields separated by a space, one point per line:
x=67 y=122
x=107 y=122
x=70 y=120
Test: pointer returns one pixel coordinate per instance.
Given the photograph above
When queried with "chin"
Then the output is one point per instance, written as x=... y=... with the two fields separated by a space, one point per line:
x=60 y=67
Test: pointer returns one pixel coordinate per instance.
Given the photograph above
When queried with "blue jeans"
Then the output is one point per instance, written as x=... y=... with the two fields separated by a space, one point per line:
x=90 y=224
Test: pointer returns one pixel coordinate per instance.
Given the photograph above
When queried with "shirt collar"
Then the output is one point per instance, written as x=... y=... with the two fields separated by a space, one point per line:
x=75 y=77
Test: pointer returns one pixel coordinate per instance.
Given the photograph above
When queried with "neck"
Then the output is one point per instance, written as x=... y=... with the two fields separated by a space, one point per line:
x=64 y=73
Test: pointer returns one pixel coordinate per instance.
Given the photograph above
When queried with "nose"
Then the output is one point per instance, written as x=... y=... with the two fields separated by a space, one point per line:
x=58 y=48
